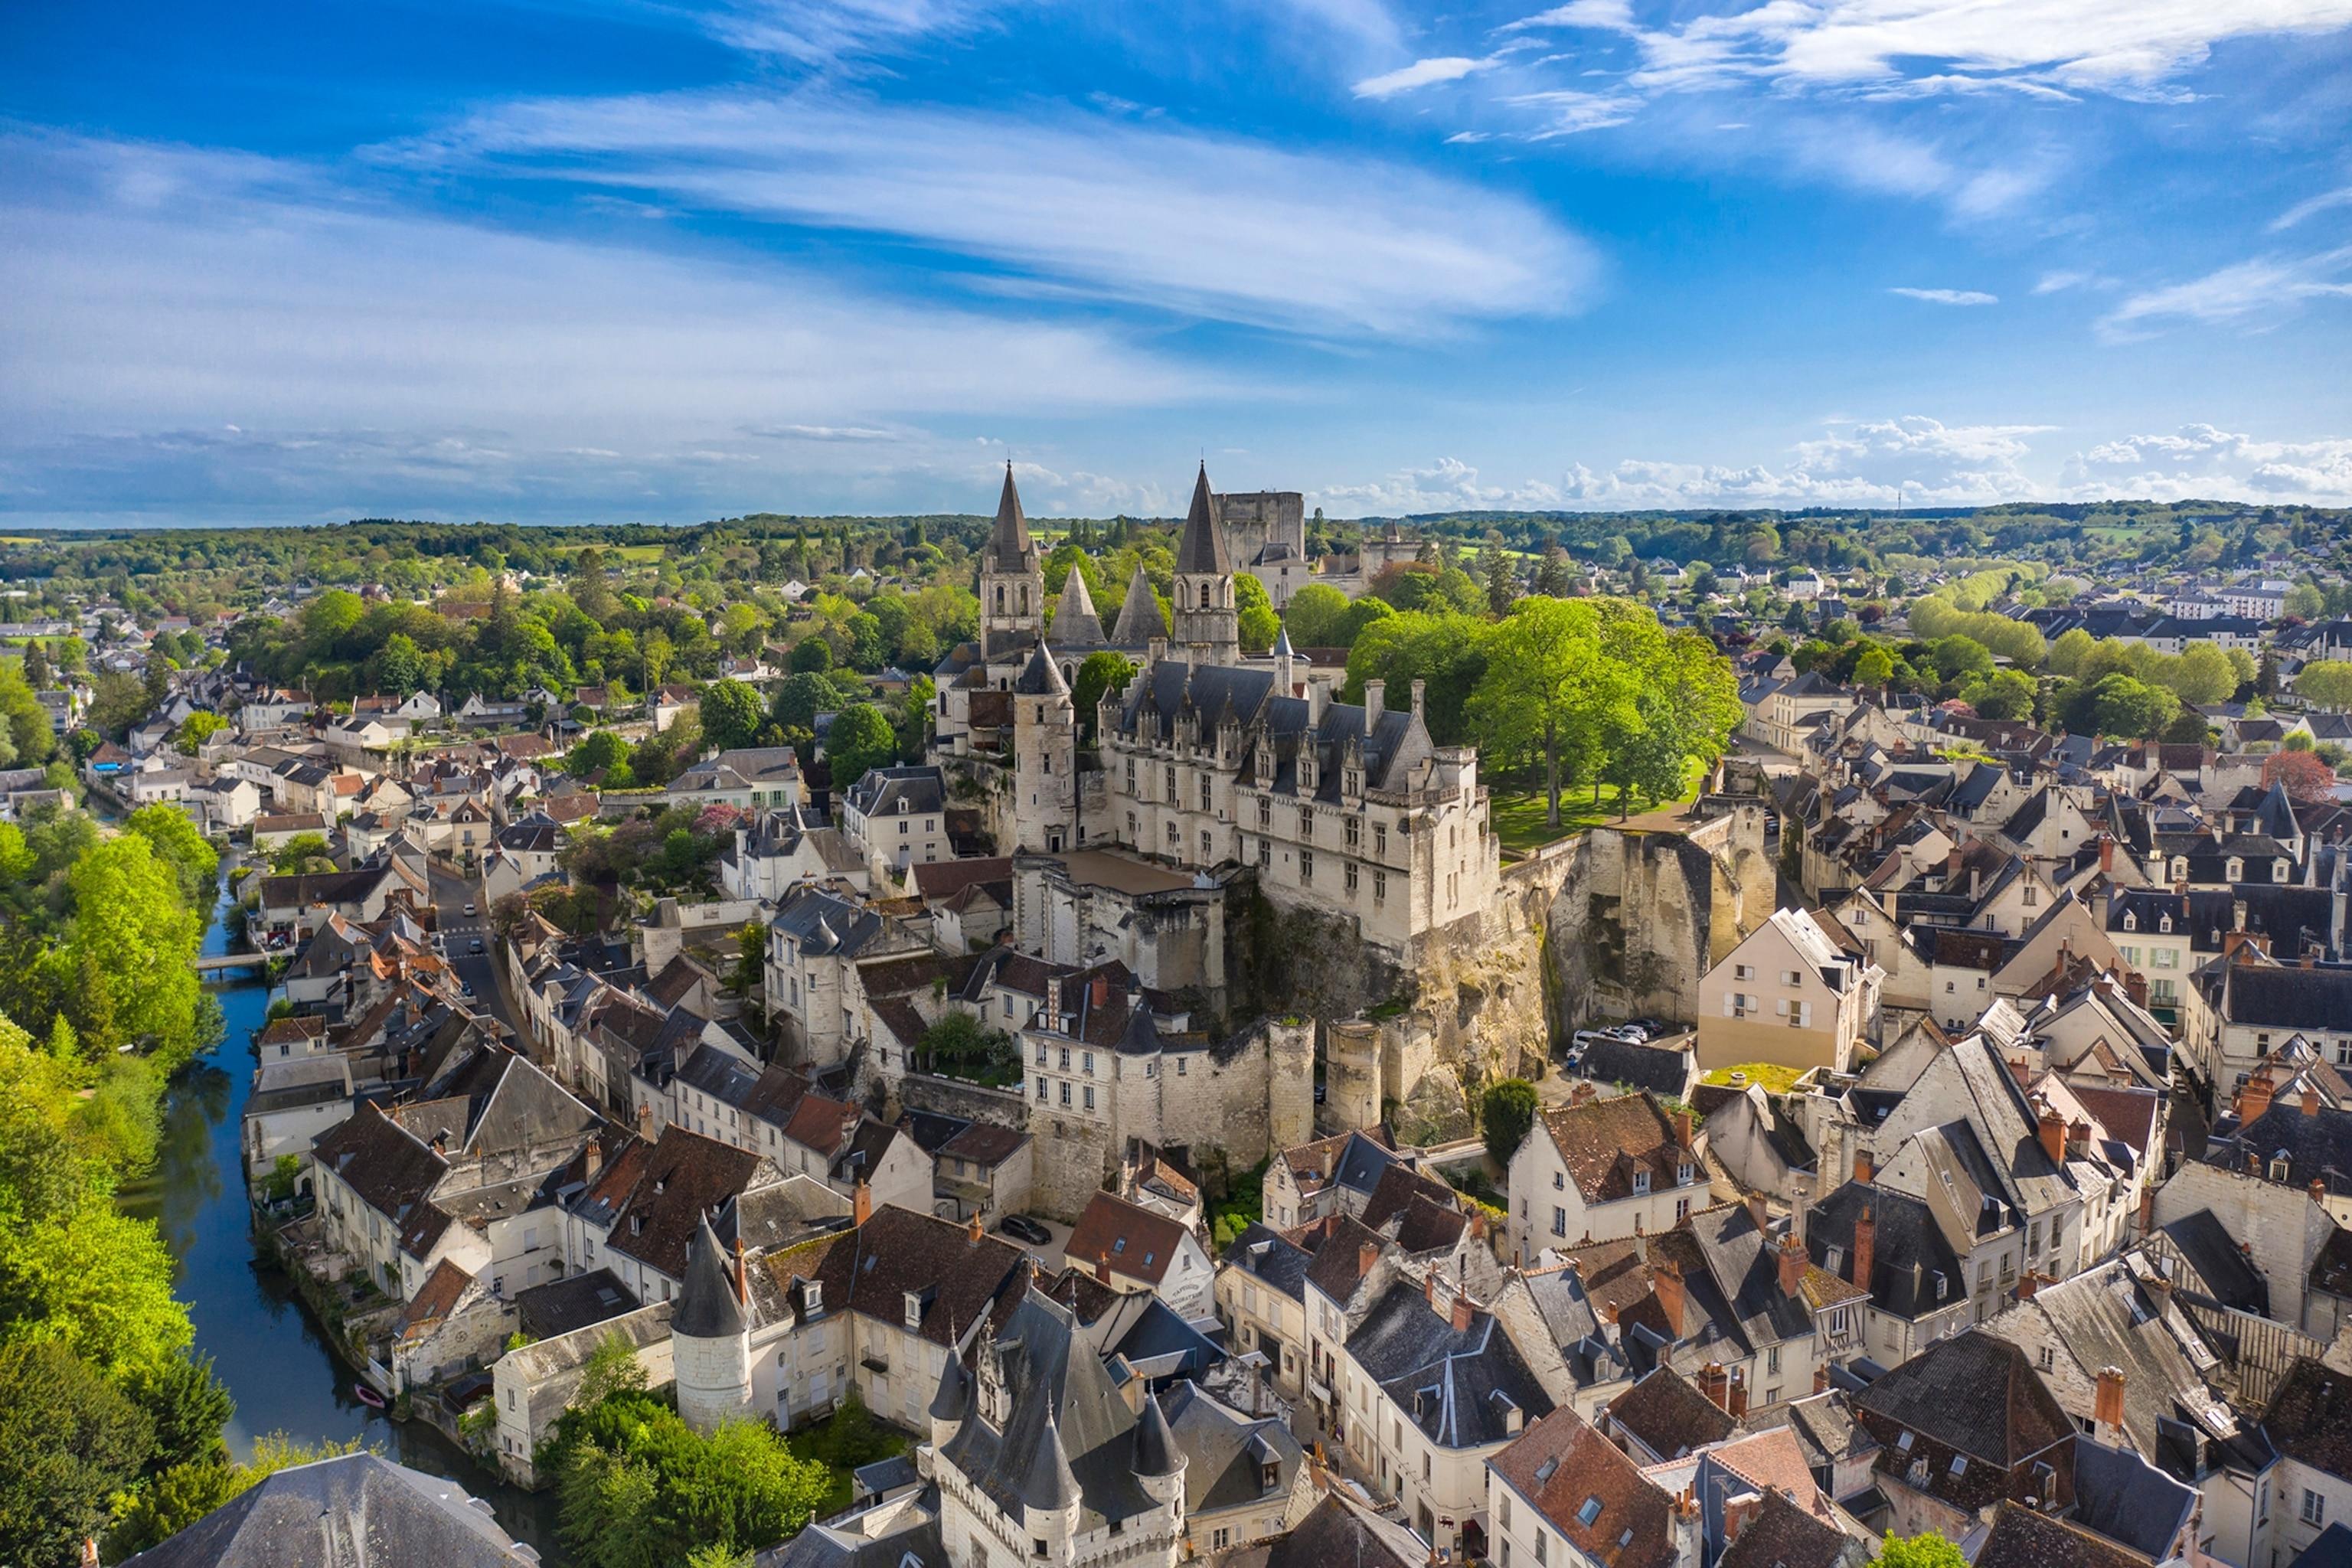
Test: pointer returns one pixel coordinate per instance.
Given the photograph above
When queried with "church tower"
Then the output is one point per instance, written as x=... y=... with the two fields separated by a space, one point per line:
x=1012 y=581
x=1044 y=758
x=1208 y=622
x=710 y=1337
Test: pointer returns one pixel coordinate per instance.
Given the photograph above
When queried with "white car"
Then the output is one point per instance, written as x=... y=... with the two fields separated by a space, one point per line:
x=471 y=911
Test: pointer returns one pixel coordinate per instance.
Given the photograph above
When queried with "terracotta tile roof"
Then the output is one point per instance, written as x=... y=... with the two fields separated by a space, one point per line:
x=1338 y=1268
x=1604 y=1141
x=1782 y=1535
x=435 y=1300
x=1590 y=1492
x=1140 y=1243
x=684 y=1177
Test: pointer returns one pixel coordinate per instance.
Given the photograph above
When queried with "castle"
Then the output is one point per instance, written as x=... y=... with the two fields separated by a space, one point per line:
x=1211 y=758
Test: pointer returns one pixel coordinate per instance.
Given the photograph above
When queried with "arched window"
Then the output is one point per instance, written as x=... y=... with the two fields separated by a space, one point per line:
x=1000 y=598
x=1024 y=598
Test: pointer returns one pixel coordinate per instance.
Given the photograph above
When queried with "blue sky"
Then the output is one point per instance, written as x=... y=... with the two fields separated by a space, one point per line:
x=596 y=260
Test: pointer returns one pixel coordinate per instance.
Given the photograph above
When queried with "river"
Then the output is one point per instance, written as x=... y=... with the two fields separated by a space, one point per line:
x=264 y=1346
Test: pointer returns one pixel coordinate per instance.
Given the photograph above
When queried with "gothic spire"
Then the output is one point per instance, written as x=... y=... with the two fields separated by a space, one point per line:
x=1008 y=541
x=1203 y=548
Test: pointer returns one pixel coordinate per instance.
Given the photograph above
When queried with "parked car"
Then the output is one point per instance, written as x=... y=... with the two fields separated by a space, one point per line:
x=1021 y=1227
x=475 y=946
x=1585 y=1039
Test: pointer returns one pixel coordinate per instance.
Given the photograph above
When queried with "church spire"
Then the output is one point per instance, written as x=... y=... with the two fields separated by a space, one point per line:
x=1203 y=548
x=1008 y=541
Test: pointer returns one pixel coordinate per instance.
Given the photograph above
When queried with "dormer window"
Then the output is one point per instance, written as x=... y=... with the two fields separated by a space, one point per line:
x=1682 y=1175
x=2164 y=924
x=2235 y=870
x=1641 y=1182
x=2131 y=921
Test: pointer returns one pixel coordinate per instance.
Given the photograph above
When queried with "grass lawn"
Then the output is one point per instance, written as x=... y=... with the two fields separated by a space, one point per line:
x=1775 y=1077
x=842 y=1442
x=1519 y=809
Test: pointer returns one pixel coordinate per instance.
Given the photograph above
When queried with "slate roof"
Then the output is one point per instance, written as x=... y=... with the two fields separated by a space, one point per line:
x=2331 y=1549
x=2261 y=995
x=1225 y=1450
x=2023 y=1538
x=1976 y=1396
x=391 y=1171
x=1202 y=546
x=709 y=1307
x=1010 y=547
x=2128 y=1501
x=2227 y=1275
x=1139 y=619
x=1266 y=1255
x=2310 y=1418
x=561 y=1306
x=1655 y=1068
x=1670 y=1415
x=682 y=1178
x=1782 y=1535
x=1907 y=1248
x=1337 y=1532
x=1338 y=1268
x=1455 y=1384
x=357 y=1511
x=2319 y=1146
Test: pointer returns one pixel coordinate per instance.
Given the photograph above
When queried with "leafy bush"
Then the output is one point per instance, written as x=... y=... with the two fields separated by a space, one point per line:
x=1506 y=1112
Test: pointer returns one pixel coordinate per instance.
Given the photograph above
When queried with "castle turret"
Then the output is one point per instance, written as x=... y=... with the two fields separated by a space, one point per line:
x=951 y=1402
x=1076 y=624
x=710 y=1337
x=1044 y=757
x=1158 y=1462
x=1140 y=620
x=1049 y=1492
x=1208 y=622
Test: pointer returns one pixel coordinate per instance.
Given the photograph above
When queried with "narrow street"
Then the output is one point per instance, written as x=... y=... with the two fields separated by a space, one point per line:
x=460 y=932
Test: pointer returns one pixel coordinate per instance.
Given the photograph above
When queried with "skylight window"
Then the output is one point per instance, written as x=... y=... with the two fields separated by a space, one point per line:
x=1588 y=1512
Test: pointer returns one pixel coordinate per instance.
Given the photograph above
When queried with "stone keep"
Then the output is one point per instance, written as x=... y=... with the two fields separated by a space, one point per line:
x=1045 y=816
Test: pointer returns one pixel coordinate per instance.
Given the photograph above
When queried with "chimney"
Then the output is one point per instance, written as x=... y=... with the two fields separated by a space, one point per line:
x=1429 y=1288
x=2310 y=1098
x=1793 y=1265
x=1417 y=687
x=1759 y=1213
x=974 y=1233
x=1053 y=1002
x=1737 y=1513
x=743 y=1272
x=2148 y=1212
x=861 y=1204
x=1866 y=1246
x=1865 y=1169
x=2078 y=1138
x=2107 y=1410
x=2160 y=1289
x=1716 y=1384
x=1667 y=1281
x=1330 y=1158
x=1366 y=1255
x=1822 y=1377
x=2053 y=1127
x=1683 y=1126
x=2106 y=855
x=2238 y=914
x=1462 y=1305
x=591 y=1158
x=1102 y=1266
x=1581 y=1094
x=1101 y=991
x=2254 y=1097
x=2319 y=1190
x=2028 y=1283
x=1375 y=702
x=1737 y=1405
x=2135 y=987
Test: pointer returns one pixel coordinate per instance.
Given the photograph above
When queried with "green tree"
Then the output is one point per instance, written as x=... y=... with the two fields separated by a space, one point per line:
x=1256 y=613
x=195 y=729
x=1351 y=623
x=1501 y=579
x=801 y=698
x=1925 y=1550
x=2004 y=695
x=38 y=673
x=2326 y=683
x=811 y=656
x=1102 y=671
x=612 y=1368
x=117 y=702
x=1506 y=1113
x=1542 y=688
x=28 y=736
x=1443 y=648
x=1555 y=575
x=1874 y=668
x=1313 y=616
x=861 y=738
x=303 y=852
x=193 y=860
x=732 y=713
x=72 y=1442
x=636 y=1488
x=132 y=926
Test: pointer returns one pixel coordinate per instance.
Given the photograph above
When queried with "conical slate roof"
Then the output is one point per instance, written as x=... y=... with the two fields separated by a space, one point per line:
x=955 y=1387
x=1139 y=619
x=1155 y=1446
x=1203 y=548
x=1282 y=649
x=707 y=1307
x=1008 y=541
x=1075 y=620
x=1049 y=1487
x=1043 y=678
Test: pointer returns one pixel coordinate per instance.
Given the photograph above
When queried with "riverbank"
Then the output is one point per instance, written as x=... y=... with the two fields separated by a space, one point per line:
x=269 y=1350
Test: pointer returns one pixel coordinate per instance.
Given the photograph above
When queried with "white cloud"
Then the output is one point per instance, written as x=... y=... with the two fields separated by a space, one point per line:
x=2311 y=207
x=2059 y=282
x=2203 y=462
x=378 y=359
x=1949 y=296
x=830 y=31
x=1421 y=73
x=2123 y=46
x=1175 y=219
x=2260 y=293
x=1569 y=113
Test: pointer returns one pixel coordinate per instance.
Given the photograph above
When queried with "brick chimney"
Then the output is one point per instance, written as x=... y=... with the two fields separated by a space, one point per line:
x=2107 y=854
x=1822 y=1377
x=1101 y=991
x=1666 y=1280
x=1102 y=1267
x=2053 y=1127
x=1793 y=1265
x=743 y=1272
x=2027 y=1284
x=1367 y=1254
x=2107 y=1408
x=1429 y=1288
x=1716 y=1384
x=2148 y=1212
x=1462 y=1308
x=1758 y=1213
x=1866 y=1246
x=861 y=1204
x=1683 y=1126
x=1737 y=1401
x=975 y=1232
x=1865 y=1168
x=2254 y=1097
x=1582 y=1093
x=1739 y=1513
x=591 y=1158
x=2310 y=1098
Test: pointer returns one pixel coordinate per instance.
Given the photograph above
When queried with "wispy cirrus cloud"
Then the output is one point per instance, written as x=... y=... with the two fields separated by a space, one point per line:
x=2312 y=207
x=1949 y=296
x=834 y=32
x=1422 y=73
x=1155 y=214
x=2259 y=293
